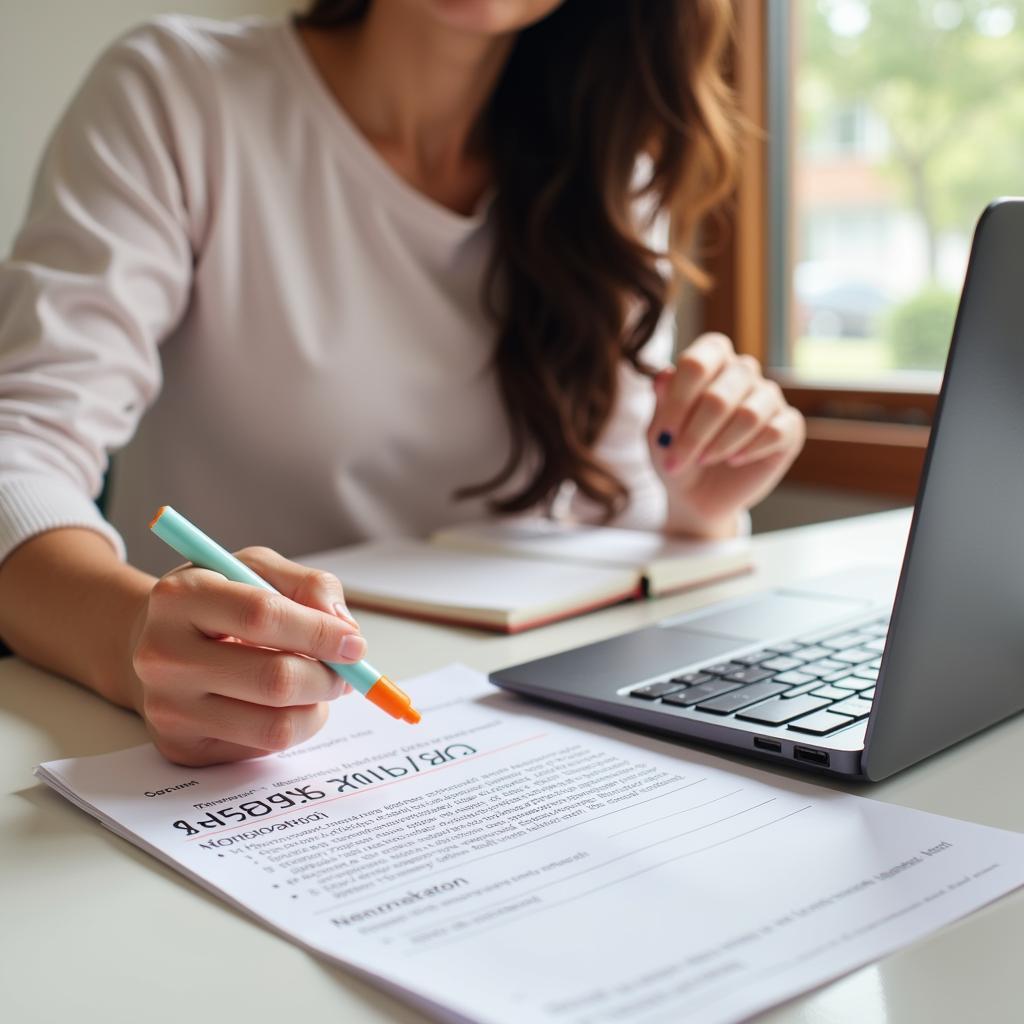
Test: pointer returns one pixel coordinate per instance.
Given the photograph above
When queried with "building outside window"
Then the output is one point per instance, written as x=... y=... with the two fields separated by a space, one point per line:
x=892 y=124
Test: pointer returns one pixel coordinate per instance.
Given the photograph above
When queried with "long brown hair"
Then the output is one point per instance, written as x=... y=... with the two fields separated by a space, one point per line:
x=587 y=93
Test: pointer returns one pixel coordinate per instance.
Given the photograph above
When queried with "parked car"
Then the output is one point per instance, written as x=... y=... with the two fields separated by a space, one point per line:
x=828 y=302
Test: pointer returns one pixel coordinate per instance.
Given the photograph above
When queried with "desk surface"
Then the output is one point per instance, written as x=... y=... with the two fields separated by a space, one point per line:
x=95 y=930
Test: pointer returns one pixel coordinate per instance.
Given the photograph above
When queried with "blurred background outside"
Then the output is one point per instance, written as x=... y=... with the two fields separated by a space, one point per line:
x=907 y=118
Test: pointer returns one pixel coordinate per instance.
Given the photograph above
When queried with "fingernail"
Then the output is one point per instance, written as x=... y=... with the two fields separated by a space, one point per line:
x=664 y=439
x=353 y=647
x=343 y=613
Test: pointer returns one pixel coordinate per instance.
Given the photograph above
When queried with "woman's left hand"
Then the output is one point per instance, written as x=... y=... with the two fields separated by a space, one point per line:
x=721 y=438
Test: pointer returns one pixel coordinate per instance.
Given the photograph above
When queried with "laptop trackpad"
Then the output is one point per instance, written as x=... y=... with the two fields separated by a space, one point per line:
x=769 y=617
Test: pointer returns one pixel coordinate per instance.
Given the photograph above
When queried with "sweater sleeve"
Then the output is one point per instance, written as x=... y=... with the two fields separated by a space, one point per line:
x=99 y=274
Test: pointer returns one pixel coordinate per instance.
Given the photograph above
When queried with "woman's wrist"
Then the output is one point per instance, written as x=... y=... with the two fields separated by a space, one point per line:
x=112 y=674
x=70 y=605
x=683 y=520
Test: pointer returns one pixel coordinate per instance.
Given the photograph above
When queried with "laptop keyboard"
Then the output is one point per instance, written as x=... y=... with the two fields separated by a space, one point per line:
x=813 y=687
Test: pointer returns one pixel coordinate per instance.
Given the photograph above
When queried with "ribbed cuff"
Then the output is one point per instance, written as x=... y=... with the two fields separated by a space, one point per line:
x=30 y=505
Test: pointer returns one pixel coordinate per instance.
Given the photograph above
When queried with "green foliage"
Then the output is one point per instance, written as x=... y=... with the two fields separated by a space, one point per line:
x=918 y=330
x=947 y=79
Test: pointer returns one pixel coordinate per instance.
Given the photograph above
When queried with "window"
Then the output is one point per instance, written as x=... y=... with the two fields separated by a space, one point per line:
x=886 y=127
x=904 y=118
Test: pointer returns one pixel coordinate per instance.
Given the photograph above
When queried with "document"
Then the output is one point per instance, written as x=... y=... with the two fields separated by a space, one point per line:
x=505 y=863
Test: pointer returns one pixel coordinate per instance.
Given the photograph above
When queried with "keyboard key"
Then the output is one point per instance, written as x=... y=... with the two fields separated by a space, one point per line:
x=741 y=698
x=877 y=645
x=832 y=692
x=806 y=688
x=754 y=658
x=811 y=653
x=692 y=678
x=854 y=656
x=783 y=648
x=868 y=694
x=794 y=678
x=723 y=668
x=779 y=710
x=702 y=691
x=820 y=723
x=855 y=707
x=866 y=673
x=876 y=628
x=824 y=667
x=834 y=677
x=652 y=691
x=782 y=664
x=750 y=675
x=848 y=682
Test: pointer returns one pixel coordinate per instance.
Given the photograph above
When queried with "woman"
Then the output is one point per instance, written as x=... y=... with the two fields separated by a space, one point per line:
x=398 y=263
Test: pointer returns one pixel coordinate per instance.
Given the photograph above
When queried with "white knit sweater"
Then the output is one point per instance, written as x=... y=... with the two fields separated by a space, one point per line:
x=221 y=281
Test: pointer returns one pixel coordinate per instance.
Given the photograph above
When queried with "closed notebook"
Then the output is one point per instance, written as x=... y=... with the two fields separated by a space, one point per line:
x=515 y=574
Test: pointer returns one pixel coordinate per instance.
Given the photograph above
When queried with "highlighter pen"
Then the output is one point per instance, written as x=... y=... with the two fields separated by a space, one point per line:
x=190 y=542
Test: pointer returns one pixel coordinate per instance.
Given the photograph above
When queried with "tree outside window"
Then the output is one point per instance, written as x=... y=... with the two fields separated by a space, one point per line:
x=907 y=119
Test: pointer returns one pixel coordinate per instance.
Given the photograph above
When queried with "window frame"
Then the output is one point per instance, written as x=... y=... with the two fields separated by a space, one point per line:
x=867 y=435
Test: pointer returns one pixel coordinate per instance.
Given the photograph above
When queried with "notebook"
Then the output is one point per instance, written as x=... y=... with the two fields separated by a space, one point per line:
x=516 y=574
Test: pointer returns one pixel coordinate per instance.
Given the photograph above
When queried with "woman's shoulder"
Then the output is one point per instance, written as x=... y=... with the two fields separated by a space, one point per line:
x=162 y=101
x=190 y=54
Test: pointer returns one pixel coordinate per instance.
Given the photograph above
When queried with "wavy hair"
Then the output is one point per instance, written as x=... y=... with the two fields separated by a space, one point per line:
x=594 y=94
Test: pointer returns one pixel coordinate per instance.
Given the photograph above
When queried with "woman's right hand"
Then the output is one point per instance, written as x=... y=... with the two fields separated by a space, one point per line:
x=228 y=671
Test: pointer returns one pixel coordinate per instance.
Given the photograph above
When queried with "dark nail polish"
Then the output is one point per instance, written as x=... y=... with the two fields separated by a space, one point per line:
x=664 y=439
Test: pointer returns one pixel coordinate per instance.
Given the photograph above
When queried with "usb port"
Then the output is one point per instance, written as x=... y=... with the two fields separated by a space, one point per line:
x=810 y=754
x=762 y=743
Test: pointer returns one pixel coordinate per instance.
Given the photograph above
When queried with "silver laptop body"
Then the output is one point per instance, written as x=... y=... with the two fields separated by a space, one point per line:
x=866 y=672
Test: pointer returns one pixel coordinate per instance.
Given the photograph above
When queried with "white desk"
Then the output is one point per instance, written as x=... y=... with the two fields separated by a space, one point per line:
x=93 y=930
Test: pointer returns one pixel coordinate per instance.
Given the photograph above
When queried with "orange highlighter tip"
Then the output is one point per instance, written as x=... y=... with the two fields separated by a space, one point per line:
x=394 y=701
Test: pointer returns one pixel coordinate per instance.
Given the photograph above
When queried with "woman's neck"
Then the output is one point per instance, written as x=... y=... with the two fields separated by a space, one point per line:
x=416 y=89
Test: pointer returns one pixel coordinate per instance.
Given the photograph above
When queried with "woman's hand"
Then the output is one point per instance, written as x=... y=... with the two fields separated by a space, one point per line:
x=228 y=671
x=721 y=437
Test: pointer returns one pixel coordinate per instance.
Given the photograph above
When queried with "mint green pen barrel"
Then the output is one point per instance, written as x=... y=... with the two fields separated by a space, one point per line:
x=190 y=542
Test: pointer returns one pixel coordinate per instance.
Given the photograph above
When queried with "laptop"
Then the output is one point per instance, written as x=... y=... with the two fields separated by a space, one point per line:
x=866 y=672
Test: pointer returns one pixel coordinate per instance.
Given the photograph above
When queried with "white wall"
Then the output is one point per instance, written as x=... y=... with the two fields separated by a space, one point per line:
x=46 y=46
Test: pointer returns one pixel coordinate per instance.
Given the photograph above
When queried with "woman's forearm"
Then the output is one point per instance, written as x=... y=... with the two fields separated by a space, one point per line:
x=69 y=605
